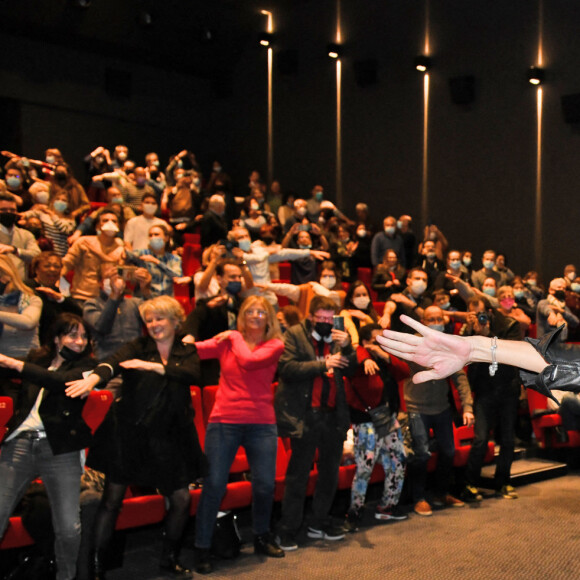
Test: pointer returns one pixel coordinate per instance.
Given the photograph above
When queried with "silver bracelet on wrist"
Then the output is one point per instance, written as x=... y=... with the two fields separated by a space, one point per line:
x=493 y=366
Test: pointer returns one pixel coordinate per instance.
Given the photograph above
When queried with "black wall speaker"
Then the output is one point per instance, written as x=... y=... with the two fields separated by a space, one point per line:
x=571 y=108
x=462 y=90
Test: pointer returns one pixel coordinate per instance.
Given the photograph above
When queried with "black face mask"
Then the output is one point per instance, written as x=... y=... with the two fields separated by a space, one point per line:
x=560 y=295
x=60 y=176
x=69 y=354
x=323 y=328
x=8 y=219
x=3 y=287
x=268 y=240
x=36 y=232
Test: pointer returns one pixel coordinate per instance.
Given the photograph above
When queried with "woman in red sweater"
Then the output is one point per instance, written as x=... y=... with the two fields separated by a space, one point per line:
x=243 y=415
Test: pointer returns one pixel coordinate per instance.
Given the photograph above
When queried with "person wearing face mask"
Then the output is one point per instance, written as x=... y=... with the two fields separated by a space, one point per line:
x=218 y=313
x=17 y=185
x=502 y=268
x=300 y=215
x=553 y=312
x=17 y=243
x=64 y=182
x=311 y=409
x=286 y=209
x=428 y=408
x=412 y=301
x=389 y=276
x=163 y=266
x=388 y=239
x=434 y=267
x=525 y=300
x=507 y=306
x=55 y=218
x=87 y=255
x=358 y=310
x=467 y=261
x=20 y=311
x=434 y=234
x=496 y=402
x=120 y=155
x=361 y=255
x=253 y=216
x=47 y=433
x=136 y=233
x=96 y=162
x=487 y=271
x=409 y=239
x=213 y=226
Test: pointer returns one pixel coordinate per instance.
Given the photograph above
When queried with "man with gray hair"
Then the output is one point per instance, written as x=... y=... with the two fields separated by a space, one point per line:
x=552 y=312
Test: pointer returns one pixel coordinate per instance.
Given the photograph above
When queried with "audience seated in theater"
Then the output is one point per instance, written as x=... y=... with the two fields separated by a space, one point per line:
x=525 y=300
x=16 y=243
x=45 y=269
x=300 y=215
x=311 y=409
x=552 y=311
x=428 y=407
x=467 y=261
x=243 y=415
x=496 y=402
x=20 y=311
x=374 y=385
x=388 y=239
x=455 y=266
x=388 y=276
x=136 y=232
x=532 y=283
x=86 y=256
x=358 y=310
x=17 y=185
x=412 y=301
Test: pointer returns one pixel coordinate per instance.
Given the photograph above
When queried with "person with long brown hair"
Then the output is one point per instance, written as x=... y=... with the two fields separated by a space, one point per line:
x=243 y=415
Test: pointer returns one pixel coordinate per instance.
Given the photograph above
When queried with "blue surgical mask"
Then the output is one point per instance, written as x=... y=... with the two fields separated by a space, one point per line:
x=445 y=306
x=305 y=246
x=245 y=245
x=467 y=261
x=519 y=294
x=60 y=205
x=157 y=244
x=489 y=290
x=455 y=264
x=390 y=231
x=50 y=159
x=438 y=327
x=319 y=196
x=400 y=224
x=575 y=287
x=234 y=288
x=118 y=199
x=489 y=264
x=13 y=182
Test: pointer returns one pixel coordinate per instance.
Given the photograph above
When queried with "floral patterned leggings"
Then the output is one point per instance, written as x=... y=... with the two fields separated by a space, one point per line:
x=367 y=451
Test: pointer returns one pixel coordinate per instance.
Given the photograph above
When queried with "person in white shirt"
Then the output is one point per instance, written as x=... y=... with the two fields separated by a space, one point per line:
x=136 y=234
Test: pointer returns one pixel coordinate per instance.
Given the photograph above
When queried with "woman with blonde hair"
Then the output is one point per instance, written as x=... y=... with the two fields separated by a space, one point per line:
x=148 y=437
x=243 y=415
x=20 y=311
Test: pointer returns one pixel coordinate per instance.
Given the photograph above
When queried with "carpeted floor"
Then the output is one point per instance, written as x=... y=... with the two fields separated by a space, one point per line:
x=536 y=536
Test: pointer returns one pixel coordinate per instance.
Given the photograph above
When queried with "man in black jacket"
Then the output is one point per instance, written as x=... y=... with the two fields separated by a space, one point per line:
x=311 y=409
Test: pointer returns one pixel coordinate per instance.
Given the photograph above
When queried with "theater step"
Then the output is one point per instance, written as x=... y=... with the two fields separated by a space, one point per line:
x=527 y=470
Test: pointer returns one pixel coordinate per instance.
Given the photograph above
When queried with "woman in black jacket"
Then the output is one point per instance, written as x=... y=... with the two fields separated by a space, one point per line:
x=47 y=433
x=148 y=437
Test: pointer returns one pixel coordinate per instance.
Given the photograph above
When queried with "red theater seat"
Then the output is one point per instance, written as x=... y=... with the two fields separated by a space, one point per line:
x=6 y=410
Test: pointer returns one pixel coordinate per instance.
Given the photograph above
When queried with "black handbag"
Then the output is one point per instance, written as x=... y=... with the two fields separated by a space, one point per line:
x=381 y=416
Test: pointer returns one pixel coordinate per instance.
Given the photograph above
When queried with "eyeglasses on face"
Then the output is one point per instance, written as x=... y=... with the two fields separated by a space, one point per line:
x=256 y=312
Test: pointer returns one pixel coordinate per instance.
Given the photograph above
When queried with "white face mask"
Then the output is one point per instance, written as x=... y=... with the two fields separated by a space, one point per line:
x=418 y=287
x=107 y=289
x=301 y=211
x=329 y=282
x=361 y=302
x=109 y=228
x=570 y=275
x=149 y=208
x=42 y=197
x=245 y=245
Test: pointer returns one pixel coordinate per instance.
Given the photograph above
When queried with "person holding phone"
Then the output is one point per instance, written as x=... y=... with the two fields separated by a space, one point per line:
x=311 y=409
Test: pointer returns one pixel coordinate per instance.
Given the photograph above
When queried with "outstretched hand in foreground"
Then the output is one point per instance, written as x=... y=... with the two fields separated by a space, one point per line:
x=441 y=354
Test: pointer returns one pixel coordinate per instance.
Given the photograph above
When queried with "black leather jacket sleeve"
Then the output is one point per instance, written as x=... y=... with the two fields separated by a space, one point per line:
x=563 y=370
